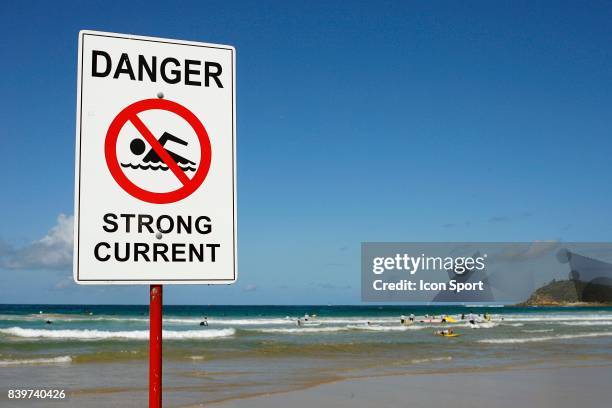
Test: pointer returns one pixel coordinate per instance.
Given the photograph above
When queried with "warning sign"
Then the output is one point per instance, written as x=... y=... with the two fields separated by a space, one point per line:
x=155 y=186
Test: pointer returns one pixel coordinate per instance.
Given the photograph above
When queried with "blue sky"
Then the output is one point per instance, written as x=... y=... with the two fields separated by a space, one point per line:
x=357 y=121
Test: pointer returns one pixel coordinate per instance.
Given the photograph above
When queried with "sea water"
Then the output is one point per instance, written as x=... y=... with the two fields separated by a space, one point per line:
x=247 y=350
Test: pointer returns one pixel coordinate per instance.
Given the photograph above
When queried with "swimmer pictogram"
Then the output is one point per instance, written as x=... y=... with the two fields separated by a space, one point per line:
x=138 y=147
x=161 y=155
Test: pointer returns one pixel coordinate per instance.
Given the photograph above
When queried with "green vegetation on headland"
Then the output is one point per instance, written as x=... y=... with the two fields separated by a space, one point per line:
x=570 y=293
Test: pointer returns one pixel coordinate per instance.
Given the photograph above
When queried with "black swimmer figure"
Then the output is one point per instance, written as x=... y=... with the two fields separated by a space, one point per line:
x=137 y=146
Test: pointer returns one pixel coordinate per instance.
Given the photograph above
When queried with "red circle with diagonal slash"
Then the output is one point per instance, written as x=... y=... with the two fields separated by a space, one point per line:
x=130 y=114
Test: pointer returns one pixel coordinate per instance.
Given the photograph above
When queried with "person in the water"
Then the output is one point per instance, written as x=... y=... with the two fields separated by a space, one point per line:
x=137 y=146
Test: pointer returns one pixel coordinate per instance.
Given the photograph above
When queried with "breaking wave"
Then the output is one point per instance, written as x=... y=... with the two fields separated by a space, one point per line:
x=36 y=361
x=332 y=329
x=546 y=338
x=431 y=360
x=303 y=330
x=104 y=335
x=588 y=323
x=483 y=325
x=538 y=331
x=170 y=319
x=556 y=318
x=378 y=328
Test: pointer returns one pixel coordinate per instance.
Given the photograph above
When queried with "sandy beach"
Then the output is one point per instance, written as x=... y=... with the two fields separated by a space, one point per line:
x=540 y=386
x=558 y=387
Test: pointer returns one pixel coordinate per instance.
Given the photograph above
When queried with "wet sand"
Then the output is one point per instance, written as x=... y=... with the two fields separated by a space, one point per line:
x=535 y=386
x=554 y=387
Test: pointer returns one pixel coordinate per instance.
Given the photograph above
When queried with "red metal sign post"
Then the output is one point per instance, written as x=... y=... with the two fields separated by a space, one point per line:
x=155 y=346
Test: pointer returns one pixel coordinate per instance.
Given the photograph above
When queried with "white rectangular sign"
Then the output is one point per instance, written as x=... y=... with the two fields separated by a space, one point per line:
x=155 y=176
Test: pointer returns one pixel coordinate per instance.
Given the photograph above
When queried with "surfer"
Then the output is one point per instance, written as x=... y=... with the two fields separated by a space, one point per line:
x=204 y=322
x=472 y=318
x=137 y=146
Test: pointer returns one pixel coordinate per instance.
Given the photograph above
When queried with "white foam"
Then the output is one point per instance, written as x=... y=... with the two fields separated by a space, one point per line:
x=250 y=322
x=353 y=327
x=588 y=323
x=254 y=321
x=538 y=331
x=546 y=338
x=483 y=325
x=103 y=334
x=378 y=328
x=304 y=330
x=422 y=326
x=557 y=317
x=430 y=360
x=357 y=320
x=70 y=318
x=36 y=361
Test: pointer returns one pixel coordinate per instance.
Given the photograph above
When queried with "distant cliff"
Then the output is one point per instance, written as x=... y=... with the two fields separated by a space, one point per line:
x=570 y=293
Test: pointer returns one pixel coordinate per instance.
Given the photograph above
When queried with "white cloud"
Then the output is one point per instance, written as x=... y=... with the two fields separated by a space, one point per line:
x=53 y=251
x=64 y=283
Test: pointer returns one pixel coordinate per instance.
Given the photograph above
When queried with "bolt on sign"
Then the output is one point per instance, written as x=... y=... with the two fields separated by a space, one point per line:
x=155 y=191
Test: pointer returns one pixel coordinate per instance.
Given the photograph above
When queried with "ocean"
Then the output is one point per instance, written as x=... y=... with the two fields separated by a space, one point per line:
x=93 y=350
